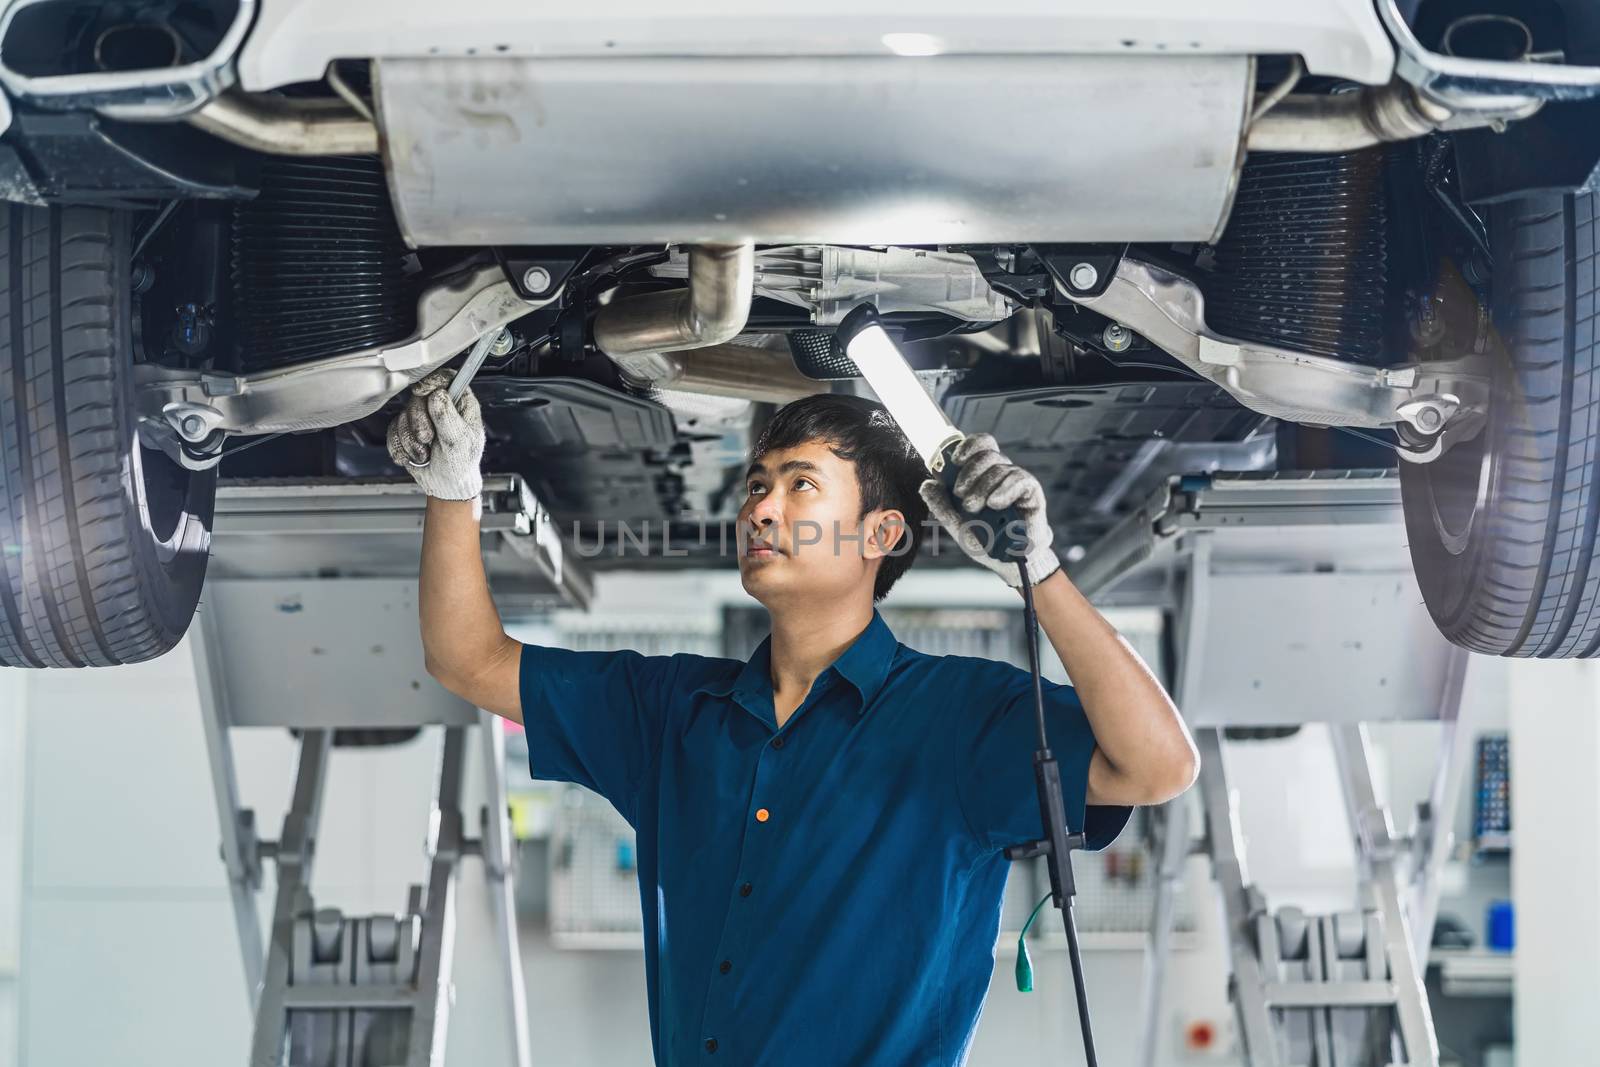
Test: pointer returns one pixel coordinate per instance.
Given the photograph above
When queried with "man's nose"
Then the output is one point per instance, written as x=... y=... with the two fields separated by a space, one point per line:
x=766 y=512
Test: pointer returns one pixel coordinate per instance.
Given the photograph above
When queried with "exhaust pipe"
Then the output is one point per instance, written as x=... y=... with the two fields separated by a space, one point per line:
x=741 y=371
x=1371 y=115
x=1498 y=38
x=638 y=331
x=1344 y=122
x=137 y=46
x=681 y=339
x=284 y=126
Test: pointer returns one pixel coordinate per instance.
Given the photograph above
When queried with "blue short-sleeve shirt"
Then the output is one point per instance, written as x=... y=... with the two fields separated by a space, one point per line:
x=828 y=892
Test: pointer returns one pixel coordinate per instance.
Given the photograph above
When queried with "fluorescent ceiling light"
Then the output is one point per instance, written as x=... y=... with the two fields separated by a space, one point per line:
x=913 y=44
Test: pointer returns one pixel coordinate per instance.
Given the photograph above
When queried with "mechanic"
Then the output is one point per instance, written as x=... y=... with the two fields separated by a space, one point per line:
x=820 y=829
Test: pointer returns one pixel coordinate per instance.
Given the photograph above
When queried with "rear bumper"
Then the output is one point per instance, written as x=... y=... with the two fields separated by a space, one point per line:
x=295 y=39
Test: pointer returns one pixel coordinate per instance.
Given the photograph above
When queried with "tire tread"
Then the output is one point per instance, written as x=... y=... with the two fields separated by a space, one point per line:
x=1536 y=592
x=80 y=581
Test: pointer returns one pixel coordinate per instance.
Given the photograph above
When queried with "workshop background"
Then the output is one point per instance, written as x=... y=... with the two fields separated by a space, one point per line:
x=117 y=940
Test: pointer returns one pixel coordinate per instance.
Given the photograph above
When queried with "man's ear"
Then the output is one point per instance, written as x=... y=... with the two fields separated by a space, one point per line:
x=886 y=531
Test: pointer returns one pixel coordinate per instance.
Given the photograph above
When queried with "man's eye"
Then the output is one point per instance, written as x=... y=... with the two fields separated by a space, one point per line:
x=803 y=482
x=756 y=487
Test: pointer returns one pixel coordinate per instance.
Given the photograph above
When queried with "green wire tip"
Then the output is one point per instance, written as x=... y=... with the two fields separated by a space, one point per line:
x=1024 y=968
x=1024 y=964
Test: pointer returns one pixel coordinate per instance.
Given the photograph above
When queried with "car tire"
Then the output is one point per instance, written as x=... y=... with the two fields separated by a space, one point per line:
x=104 y=541
x=1502 y=528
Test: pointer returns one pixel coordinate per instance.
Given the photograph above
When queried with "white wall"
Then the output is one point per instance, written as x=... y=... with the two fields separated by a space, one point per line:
x=1555 y=757
x=13 y=695
x=125 y=917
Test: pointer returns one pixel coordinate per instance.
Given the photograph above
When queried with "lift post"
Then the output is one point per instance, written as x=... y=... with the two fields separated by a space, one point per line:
x=280 y=642
x=1324 y=625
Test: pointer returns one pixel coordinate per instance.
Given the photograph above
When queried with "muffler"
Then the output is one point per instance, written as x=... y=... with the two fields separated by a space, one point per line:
x=849 y=150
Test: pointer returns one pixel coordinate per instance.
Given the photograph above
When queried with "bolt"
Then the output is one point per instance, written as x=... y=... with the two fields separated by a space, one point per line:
x=193 y=427
x=1083 y=276
x=536 y=280
x=502 y=344
x=1429 y=419
x=1426 y=322
x=1117 y=337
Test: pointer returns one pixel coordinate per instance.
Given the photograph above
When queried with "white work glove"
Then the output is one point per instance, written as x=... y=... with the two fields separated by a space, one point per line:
x=986 y=478
x=440 y=444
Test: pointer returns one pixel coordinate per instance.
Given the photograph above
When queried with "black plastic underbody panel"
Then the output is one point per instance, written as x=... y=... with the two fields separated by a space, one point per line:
x=588 y=452
x=596 y=455
x=74 y=157
x=1101 y=450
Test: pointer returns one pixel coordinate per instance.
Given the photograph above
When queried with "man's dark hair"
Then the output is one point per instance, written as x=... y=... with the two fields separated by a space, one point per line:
x=888 y=469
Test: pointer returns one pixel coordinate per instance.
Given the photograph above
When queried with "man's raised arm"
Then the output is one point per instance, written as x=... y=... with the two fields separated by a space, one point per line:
x=1143 y=751
x=466 y=646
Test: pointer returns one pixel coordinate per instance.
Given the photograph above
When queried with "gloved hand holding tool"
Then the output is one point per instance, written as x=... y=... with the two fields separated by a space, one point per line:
x=440 y=441
x=982 y=480
x=438 y=436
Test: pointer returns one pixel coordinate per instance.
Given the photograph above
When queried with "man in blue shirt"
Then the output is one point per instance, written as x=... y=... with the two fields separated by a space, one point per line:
x=820 y=829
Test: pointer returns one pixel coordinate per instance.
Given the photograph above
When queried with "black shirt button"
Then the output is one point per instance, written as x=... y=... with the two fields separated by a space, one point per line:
x=744 y=890
x=711 y=1044
x=777 y=742
x=727 y=965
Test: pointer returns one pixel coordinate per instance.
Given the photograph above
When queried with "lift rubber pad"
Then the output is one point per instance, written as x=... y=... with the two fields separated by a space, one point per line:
x=1101 y=450
x=586 y=450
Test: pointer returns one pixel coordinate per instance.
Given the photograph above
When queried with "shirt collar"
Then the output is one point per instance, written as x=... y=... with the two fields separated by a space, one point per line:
x=864 y=664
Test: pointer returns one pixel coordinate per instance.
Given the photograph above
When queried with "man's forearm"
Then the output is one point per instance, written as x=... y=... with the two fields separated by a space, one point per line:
x=1147 y=751
x=462 y=634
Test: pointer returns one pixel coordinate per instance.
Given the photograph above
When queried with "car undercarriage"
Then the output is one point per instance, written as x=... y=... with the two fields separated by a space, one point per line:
x=1129 y=258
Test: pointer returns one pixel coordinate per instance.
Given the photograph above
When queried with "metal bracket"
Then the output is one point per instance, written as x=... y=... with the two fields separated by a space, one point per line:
x=163 y=435
x=1436 y=402
x=252 y=850
x=1081 y=270
x=828 y=281
x=538 y=272
x=194 y=405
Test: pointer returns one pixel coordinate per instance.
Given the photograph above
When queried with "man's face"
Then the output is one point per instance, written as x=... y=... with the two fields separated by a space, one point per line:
x=801 y=531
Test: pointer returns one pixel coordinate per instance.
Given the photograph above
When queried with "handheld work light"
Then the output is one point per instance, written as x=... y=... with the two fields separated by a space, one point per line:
x=862 y=337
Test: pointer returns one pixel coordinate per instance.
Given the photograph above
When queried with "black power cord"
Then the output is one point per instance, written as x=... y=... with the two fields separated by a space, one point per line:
x=1058 y=842
x=1008 y=543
